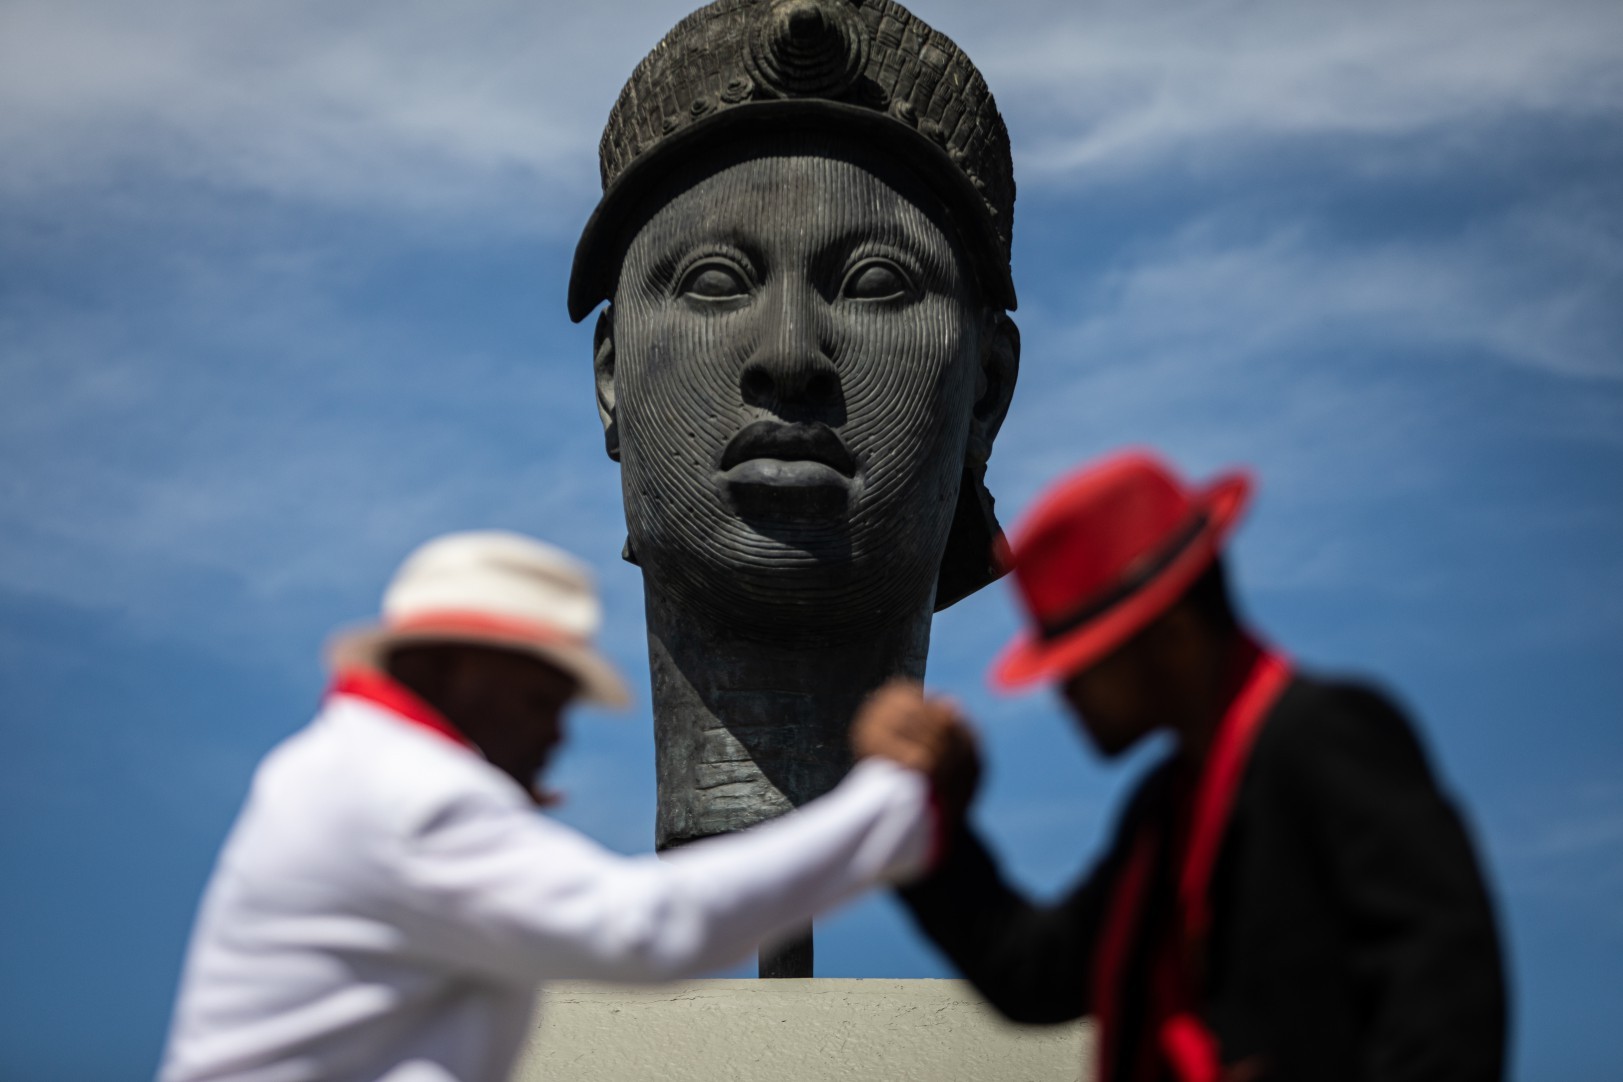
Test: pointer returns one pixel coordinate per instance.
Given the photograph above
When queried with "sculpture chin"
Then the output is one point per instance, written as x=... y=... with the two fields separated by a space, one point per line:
x=786 y=490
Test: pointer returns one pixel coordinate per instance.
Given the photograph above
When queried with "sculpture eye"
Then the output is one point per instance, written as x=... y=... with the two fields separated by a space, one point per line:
x=876 y=280
x=714 y=280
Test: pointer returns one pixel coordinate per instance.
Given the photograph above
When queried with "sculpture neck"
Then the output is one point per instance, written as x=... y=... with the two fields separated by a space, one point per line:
x=745 y=729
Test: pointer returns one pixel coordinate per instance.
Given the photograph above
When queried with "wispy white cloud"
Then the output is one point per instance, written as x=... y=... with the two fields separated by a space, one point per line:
x=423 y=106
x=1110 y=87
x=1212 y=294
x=1227 y=343
x=407 y=105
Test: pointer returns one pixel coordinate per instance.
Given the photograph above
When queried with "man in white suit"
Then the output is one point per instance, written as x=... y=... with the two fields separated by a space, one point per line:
x=389 y=900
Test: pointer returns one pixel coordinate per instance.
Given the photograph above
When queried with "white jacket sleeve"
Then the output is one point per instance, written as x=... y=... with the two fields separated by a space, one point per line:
x=522 y=897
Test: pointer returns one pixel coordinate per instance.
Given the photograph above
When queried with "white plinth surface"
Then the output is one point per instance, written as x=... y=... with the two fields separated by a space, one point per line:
x=816 y=1030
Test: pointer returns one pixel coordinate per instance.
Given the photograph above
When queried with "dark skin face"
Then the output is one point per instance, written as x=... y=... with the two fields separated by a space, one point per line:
x=1171 y=675
x=509 y=704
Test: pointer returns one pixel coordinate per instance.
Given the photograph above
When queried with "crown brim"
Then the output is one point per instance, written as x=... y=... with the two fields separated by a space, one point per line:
x=595 y=271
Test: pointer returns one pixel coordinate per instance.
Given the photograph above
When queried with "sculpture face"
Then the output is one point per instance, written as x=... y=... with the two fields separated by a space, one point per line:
x=791 y=373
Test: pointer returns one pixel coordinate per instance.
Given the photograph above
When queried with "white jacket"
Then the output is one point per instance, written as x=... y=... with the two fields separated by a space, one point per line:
x=388 y=902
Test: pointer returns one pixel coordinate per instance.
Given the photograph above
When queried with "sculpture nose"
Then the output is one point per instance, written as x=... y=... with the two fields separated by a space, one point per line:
x=791 y=372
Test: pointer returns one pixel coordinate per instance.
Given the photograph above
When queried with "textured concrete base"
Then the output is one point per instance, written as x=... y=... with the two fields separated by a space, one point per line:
x=817 y=1030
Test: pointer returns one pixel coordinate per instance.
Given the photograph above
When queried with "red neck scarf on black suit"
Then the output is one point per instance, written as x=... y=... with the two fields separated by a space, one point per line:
x=1161 y=1034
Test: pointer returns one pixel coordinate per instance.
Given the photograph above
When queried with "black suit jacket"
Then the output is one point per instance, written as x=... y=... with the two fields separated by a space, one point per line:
x=1351 y=935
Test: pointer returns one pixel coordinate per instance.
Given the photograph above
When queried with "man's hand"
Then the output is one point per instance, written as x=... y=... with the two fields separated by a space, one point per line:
x=899 y=723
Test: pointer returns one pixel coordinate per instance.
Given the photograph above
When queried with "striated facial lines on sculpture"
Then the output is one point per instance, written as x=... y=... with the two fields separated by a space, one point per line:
x=796 y=343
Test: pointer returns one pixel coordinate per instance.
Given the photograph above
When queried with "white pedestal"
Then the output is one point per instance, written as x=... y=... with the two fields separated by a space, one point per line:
x=816 y=1030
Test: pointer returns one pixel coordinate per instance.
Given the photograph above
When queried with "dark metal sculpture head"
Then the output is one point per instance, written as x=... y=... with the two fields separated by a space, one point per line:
x=805 y=236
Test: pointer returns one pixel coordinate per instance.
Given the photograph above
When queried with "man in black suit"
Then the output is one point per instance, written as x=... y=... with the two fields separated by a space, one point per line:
x=1288 y=896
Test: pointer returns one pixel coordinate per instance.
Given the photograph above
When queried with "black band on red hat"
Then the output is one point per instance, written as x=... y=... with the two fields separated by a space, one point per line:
x=1137 y=577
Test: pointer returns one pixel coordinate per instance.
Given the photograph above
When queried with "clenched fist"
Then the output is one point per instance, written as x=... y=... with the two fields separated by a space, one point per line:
x=899 y=722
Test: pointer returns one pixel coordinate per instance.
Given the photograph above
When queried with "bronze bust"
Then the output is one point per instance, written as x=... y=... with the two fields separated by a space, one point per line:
x=804 y=240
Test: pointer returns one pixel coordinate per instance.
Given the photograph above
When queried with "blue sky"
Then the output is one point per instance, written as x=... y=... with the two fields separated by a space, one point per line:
x=281 y=295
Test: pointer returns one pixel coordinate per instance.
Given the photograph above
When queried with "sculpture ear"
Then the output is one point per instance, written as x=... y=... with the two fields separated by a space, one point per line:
x=994 y=385
x=603 y=371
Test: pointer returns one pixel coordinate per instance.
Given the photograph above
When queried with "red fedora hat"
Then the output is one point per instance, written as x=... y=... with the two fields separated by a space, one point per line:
x=1103 y=553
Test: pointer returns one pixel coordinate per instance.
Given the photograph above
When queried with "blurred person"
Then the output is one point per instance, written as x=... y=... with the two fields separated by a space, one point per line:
x=389 y=900
x=1287 y=896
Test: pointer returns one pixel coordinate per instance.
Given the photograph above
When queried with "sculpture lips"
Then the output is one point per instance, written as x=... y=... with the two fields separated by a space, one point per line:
x=790 y=441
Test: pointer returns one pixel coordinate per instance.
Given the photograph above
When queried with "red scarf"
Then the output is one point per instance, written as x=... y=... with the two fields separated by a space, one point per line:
x=381 y=690
x=1182 y=1039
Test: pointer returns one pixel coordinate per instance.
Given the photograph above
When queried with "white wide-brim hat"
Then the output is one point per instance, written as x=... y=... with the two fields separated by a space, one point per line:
x=491 y=588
